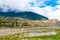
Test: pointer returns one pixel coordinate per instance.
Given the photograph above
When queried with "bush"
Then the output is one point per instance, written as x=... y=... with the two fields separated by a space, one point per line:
x=25 y=23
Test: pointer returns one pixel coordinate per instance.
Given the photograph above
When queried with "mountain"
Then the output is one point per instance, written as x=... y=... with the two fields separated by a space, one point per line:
x=26 y=15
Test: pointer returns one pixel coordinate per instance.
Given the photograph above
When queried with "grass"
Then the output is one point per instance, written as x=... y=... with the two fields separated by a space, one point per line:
x=19 y=37
x=13 y=37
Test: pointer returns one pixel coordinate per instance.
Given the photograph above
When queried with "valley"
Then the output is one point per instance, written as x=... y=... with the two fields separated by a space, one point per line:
x=23 y=29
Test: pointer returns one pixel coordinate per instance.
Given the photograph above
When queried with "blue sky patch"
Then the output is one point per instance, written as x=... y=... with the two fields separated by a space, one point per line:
x=45 y=3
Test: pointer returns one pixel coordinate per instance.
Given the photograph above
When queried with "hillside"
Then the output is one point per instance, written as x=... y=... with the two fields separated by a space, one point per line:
x=19 y=28
x=20 y=22
x=26 y=15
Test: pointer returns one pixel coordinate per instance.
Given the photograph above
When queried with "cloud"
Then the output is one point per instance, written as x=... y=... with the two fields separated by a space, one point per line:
x=48 y=11
x=38 y=2
x=51 y=9
x=20 y=5
x=58 y=2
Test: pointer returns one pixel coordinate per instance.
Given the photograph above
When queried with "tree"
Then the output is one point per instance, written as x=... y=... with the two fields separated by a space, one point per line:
x=0 y=23
x=12 y=24
x=25 y=23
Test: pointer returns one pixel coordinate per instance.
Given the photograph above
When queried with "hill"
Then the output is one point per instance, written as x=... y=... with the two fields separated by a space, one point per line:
x=26 y=15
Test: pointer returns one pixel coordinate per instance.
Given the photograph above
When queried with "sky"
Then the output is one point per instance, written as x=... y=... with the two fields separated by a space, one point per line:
x=47 y=8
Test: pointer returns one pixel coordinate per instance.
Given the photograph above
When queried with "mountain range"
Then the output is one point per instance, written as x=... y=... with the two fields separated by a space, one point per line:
x=26 y=15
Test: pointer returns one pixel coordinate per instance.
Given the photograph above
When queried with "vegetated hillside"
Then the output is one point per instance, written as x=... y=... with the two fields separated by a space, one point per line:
x=40 y=23
x=26 y=15
x=20 y=22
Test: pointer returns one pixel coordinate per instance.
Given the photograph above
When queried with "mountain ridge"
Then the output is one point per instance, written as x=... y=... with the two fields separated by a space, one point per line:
x=26 y=15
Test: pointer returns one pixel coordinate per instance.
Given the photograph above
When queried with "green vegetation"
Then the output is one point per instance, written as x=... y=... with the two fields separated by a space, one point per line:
x=19 y=36
x=8 y=23
x=27 y=24
x=0 y=23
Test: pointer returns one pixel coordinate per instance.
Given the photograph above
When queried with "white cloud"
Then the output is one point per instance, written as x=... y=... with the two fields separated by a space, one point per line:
x=58 y=2
x=49 y=12
x=38 y=2
x=21 y=5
